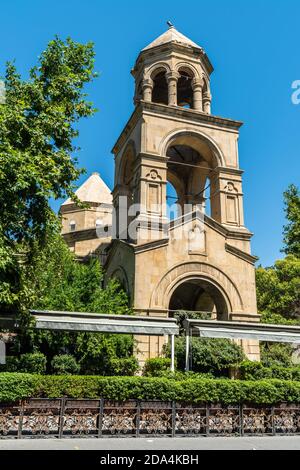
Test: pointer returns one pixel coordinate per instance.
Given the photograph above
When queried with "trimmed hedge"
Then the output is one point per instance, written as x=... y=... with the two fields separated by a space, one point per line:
x=14 y=386
x=257 y=371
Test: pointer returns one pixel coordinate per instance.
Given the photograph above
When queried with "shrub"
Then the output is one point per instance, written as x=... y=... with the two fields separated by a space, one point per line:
x=125 y=366
x=64 y=364
x=12 y=364
x=276 y=354
x=157 y=367
x=33 y=363
x=15 y=386
x=257 y=371
x=215 y=356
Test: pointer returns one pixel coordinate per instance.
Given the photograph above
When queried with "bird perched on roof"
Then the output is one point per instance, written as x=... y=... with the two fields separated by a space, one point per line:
x=170 y=24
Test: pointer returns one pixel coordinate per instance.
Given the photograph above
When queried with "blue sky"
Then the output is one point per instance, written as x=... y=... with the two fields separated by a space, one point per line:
x=254 y=47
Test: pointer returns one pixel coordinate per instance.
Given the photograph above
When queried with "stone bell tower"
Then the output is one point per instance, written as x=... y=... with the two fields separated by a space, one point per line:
x=200 y=260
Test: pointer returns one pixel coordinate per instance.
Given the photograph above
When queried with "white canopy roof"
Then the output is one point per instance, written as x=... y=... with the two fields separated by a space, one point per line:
x=243 y=330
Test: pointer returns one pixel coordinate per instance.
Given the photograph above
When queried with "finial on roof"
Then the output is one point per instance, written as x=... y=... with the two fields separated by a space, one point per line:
x=170 y=24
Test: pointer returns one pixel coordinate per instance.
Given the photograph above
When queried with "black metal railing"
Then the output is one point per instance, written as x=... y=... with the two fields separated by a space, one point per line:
x=137 y=418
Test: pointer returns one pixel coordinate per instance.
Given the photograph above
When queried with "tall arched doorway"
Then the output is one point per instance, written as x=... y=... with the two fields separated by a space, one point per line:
x=199 y=295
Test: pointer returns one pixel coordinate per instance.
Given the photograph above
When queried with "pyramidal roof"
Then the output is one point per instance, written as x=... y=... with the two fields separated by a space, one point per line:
x=93 y=190
x=172 y=36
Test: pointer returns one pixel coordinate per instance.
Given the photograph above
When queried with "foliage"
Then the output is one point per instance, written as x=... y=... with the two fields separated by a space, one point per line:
x=95 y=352
x=157 y=366
x=291 y=230
x=123 y=367
x=59 y=282
x=64 y=364
x=278 y=289
x=250 y=370
x=32 y=363
x=160 y=367
x=277 y=319
x=14 y=386
x=12 y=364
x=38 y=124
x=273 y=354
x=208 y=355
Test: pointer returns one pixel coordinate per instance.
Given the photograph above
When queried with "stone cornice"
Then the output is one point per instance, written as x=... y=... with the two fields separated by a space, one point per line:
x=91 y=206
x=240 y=254
x=238 y=233
x=229 y=170
x=151 y=245
x=191 y=115
x=81 y=235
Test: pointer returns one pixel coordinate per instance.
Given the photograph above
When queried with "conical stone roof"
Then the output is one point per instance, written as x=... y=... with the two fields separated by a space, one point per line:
x=171 y=36
x=93 y=190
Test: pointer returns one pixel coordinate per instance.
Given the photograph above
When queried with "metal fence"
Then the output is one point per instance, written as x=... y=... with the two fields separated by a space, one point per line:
x=105 y=418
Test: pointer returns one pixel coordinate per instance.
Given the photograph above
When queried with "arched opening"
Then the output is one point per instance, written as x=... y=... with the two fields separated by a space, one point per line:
x=201 y=296
x=191 y=165
x=160 y=88
x=188 y=169
x=126 y=171
x=126 y=196
x=185 y=90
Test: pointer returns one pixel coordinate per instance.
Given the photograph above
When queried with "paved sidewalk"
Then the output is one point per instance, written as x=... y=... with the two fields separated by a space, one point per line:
x=192 y=443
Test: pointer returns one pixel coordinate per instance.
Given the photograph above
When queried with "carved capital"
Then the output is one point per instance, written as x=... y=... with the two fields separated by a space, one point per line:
x=197 y=83
x=147 y=83
x=172 y=76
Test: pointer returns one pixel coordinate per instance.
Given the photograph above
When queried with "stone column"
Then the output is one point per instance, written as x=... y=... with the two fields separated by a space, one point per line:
x=147 y=89
x=197 y=86
x=207 y=102
x=172 y=78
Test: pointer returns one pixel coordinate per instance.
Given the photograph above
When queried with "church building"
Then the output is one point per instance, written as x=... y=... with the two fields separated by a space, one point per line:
x=200 y=259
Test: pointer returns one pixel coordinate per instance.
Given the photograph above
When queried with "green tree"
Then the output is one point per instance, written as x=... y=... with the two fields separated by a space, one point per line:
x=291 y=230
x=278 y=290
x=59 y=282
x=37 y=162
